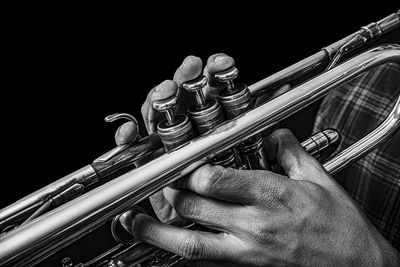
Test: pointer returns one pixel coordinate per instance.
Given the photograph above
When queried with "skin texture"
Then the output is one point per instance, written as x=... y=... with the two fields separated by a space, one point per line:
x=262 y=218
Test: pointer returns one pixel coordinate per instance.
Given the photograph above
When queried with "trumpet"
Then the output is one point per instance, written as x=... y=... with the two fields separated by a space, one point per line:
x=46 y=221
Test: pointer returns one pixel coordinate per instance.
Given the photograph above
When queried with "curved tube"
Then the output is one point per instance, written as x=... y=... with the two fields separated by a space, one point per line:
x=73 y=219
x=90 y=174
x=367 y=143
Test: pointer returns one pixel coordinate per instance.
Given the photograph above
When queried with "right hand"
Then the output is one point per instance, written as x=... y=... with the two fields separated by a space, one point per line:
x=191 y=68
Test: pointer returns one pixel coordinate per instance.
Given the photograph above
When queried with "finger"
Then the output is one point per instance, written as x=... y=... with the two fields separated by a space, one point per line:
x=190 y=69
x=126 y=133
x=162 y=208
x=193 y=245
x=210 y=212
x=216 y=63
x=219 y=62
x=150 y=116
x=237 y=186
x=283 y=147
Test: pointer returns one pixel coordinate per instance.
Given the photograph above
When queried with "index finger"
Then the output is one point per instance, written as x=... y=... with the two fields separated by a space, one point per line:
x=246 y=187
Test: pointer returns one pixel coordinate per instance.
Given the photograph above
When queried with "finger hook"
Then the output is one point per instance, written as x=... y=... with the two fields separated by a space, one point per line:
x=118 y=116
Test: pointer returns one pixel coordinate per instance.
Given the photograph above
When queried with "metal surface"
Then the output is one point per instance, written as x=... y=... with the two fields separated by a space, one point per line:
x=126 y=157
x=236 y=100
x=174 y=135
x=70 y=221
x=166 y=106
x=118 y=149
x=206 y=117
x=85 y=176
x=228 y=76
x=318 y=59
x=367 y=143
x=146 y=255
x=174 y=130
x=123 y=157
x=322 y=144
x=196 y=86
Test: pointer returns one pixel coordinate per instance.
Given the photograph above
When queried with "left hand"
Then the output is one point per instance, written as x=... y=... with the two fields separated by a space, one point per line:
x=304 y=218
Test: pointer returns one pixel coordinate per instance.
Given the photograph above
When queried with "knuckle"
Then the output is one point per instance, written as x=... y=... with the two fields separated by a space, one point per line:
x=192 y=248
x=279 y=193
x=143 y=229
x=210 y=177
x=263 y=234
x=315 y=193
x=282 y=191
x=315 y=200
x=187 y=208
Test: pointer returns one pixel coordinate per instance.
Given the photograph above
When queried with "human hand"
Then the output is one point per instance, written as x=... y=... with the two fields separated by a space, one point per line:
x=191 y=68
x=301 y=218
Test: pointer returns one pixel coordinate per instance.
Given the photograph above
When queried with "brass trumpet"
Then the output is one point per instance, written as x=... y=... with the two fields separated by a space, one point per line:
x=54 y=217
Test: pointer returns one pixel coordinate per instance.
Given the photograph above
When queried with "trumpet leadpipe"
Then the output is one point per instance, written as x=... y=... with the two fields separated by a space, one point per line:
x=120 y=159
x=72 y=220
x=371 y=32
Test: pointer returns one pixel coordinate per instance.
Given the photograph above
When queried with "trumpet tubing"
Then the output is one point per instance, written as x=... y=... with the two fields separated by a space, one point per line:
x=43 y=234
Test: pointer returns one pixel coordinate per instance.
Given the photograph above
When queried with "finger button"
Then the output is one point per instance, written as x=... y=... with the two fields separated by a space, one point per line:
x=166 y=106
x=196 y=86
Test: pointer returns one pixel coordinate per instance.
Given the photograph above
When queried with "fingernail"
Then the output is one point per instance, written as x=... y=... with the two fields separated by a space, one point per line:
x=184 y=63
x=127 y=221
x=219 y=58
x=187 y=60
x=158 y=87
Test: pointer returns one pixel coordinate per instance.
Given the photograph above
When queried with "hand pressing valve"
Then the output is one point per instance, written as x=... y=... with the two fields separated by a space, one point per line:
x=191 y=68
x=302 y=218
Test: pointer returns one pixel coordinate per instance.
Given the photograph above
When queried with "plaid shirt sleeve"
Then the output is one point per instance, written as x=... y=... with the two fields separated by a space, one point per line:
x=354 y=110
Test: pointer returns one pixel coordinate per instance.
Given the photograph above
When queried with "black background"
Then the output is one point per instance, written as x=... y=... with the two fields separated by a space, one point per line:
x=69 y=67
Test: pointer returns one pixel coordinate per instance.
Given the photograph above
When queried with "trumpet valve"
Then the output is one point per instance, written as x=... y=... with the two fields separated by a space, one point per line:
x=166 y=106
x=175 y=129
x=206 y=114
x=227 y=76
x=196 y=86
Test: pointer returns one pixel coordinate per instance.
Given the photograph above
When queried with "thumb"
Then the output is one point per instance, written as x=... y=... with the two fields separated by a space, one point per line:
x=283 y=147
